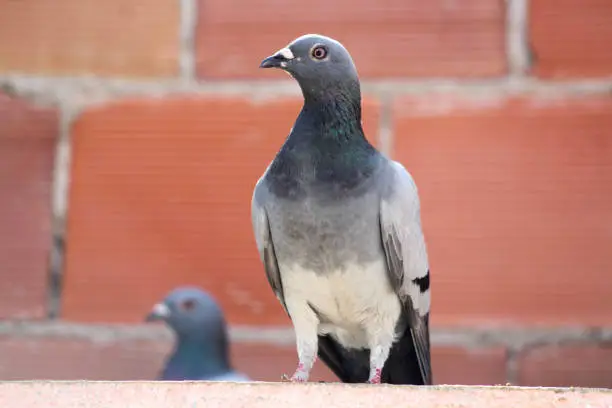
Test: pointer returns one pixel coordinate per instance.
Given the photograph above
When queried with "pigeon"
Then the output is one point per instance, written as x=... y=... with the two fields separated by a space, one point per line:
x=338 y=229
x=201 y=350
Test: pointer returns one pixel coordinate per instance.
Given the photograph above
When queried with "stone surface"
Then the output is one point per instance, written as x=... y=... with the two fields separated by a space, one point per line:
x=266 y=395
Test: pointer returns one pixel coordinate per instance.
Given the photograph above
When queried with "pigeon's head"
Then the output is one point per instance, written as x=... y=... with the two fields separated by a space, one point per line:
x=316 y=62
x=190 y=312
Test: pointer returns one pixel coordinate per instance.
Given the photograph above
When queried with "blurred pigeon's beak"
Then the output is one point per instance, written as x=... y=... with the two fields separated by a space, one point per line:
x=278 y=60
x=159 y=312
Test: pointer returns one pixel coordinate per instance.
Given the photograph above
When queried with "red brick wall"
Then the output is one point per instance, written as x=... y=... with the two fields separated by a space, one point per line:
x=132 y=133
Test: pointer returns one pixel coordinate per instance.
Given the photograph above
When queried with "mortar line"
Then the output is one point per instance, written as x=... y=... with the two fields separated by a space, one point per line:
x=59 y=203
x=91 y=91
x=385 y=126
x=517 y=40
x=522 y=338
x=187 y=34
x=512 y=366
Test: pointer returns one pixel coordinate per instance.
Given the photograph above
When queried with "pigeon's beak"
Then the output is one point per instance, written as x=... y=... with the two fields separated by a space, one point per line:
x=159 y=312
x=278 y=60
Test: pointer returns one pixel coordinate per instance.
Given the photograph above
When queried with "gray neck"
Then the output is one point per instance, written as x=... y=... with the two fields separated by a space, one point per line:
x=334 y=108
x=193 y=359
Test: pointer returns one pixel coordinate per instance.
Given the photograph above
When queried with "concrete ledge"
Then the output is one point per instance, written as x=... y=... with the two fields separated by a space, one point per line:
x=50 y=394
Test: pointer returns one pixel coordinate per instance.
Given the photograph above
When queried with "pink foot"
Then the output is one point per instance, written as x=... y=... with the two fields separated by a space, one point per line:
x=300 y=375
x=376 y=378
x=293 y=378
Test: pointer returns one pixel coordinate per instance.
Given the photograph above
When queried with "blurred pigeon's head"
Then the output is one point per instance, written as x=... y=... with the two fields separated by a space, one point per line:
x=317 y=62
x=191 y=313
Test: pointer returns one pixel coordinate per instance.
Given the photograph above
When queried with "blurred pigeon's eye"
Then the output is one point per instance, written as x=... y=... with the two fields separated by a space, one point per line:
x=188 y=304
x=319 y=52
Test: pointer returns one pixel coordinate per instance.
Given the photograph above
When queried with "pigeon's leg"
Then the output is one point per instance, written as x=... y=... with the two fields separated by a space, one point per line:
x=305 y=324
x=379 y=352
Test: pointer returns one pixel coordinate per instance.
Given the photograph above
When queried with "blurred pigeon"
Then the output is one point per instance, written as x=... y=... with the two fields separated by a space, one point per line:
x=201 y=350
x=338 y=229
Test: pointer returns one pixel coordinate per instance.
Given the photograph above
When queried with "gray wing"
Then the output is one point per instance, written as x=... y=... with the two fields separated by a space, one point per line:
x=263 y=237
x=406 y=256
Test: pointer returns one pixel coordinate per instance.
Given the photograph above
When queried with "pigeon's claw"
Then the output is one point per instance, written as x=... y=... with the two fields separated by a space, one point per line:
x=299 y=377
x=376 y=378
x=301 y=374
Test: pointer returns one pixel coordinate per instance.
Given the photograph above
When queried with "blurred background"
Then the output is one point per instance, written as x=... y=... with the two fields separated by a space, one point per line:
x=132 y=133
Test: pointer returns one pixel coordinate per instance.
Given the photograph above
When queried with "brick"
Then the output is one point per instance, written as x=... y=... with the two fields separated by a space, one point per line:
x=516 y=197
x=27 y=143
x=160 y=196
x=567 y=366
x=264 y=362
x=66 y=358
x=270 y=395
x=27 y=358
x=451 y=365
x=571 y=38
x=128 y=38
x=395 y=38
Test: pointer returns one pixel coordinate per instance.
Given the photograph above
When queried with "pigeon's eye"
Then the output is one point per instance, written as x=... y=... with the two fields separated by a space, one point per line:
x=319 y=52
x=188 y=304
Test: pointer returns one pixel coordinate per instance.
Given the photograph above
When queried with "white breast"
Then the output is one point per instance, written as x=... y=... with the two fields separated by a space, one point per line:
x=357 y=301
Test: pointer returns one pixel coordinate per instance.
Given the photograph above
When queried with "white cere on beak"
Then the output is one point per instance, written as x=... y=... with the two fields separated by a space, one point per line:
x=285 y=53
x=161 y=310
